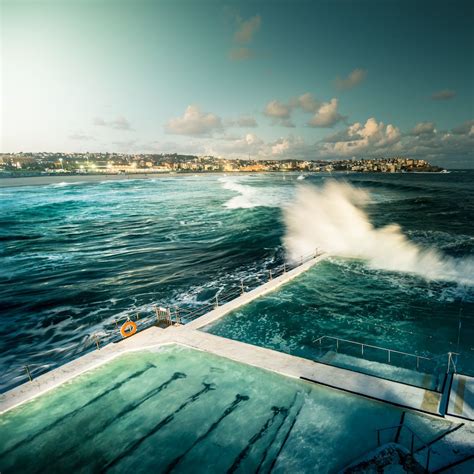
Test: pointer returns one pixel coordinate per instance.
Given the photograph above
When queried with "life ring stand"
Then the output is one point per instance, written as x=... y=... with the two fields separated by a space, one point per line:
x=129 y=328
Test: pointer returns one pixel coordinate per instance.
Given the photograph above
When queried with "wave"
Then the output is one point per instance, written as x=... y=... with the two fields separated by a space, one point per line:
x=249 y=196
x=332 y=218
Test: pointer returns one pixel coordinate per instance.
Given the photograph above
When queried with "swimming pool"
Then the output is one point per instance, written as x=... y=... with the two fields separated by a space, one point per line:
x=181 y=410
x=393 y=310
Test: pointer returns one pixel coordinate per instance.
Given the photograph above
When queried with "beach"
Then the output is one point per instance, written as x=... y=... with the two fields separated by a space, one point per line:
x=86 y=178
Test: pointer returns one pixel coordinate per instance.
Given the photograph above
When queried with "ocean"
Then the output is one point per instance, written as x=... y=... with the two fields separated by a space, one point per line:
x=76 y=257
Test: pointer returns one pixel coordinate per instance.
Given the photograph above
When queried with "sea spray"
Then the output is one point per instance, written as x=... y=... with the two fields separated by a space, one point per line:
x=332 y=218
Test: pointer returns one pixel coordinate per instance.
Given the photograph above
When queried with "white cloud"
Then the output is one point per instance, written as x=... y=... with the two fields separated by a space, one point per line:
x=119 y=123
x=326 y=115
x=247 y=29
x=286 y=147
x=369 y=138
x=352 y=80
x=194 y=123
x=279 y=112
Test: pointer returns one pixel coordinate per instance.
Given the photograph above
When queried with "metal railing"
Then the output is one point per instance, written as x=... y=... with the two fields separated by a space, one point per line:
x=363 y=345
x=166 y=314
x=439 y=366
x=412 y=436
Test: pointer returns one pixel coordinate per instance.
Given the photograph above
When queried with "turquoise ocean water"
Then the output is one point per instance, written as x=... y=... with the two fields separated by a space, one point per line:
x=75 y=257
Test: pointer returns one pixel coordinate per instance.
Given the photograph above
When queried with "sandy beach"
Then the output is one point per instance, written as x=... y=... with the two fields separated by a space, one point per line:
x=44 y=180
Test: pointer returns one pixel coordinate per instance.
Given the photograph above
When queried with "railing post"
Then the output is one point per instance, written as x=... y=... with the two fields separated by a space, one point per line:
x=116 y=323
x=242 y=286
x=378 y=437
x=337 y=345
x=96 y=342
x=417 y=362
x=28 y=373
x=217 y=301
x=271 y=277
x=284 y=268
x=389 y=353
x=362 y=349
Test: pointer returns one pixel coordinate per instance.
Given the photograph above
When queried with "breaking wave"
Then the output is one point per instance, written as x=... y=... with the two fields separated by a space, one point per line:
x=248 y=196
x=332 y=218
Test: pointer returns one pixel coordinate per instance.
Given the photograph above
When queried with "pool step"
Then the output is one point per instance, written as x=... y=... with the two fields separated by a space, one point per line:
x=379 y=369
x=456 y=448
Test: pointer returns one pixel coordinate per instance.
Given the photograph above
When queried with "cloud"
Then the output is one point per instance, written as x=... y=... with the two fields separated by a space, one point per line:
x=120 y=123
x=467 y=128
x=240 y=54
x=307 y=102
x=326 y=115
x=279 y=112
x=244 y=122
x=81 y=137
x=377 y=139
x=445 y=94
x=368 y=138
x=423 y=128
x=194 y=123
x=352 y=80
x=247 y=29
x=244 y=34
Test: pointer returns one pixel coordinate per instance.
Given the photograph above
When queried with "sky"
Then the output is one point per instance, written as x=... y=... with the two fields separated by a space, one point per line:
x=261 y=79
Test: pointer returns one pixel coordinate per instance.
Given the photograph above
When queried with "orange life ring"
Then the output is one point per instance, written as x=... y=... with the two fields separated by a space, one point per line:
x=128 y=329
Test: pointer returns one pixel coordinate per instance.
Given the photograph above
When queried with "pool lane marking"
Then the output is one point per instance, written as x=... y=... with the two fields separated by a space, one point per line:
x=277 y=432
x=168 y=419
x=237 y=400
x=77 y=410
x=255 y=438
x=287 y=435
x=127 y=409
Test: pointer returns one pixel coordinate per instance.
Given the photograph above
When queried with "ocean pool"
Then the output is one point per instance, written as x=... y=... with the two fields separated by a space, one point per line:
x=181 y=410
x=341 y=298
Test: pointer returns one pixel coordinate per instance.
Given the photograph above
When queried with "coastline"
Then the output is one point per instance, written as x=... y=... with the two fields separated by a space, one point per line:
x=43 y=180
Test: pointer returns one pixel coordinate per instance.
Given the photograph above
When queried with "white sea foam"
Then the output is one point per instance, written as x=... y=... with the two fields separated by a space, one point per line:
x=332 y=218
x=248 y=197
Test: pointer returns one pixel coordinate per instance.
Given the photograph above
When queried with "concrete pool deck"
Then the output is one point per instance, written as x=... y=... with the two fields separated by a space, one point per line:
x=281 y=363
x=247 y=297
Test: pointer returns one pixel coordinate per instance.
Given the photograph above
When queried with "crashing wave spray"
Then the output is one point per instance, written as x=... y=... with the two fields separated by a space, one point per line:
x=331 y=218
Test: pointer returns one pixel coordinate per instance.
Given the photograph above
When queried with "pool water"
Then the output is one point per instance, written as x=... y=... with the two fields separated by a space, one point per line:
x=181 y=410
x=342 y=298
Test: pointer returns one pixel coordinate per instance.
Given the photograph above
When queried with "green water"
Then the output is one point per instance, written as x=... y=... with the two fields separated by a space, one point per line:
x=185 y=411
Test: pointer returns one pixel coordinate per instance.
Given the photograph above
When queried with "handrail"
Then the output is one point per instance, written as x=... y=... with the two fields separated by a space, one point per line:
x=450 y=362
x=425 y=445
x=372 y=346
